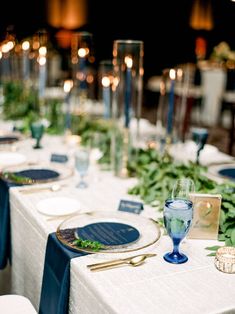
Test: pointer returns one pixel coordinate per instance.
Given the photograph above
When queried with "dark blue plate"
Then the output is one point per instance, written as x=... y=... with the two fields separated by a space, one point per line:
x=228 y=172
x=38 y=174
x=8 y=139
x=108 y=233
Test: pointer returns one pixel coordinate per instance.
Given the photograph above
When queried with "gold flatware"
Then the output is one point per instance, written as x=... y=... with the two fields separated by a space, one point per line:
x=52 y=188
x=132 y=261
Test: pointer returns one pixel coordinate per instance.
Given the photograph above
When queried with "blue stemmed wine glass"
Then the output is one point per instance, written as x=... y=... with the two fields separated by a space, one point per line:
x=199 y=136
x=178 y=215
x=37 y=130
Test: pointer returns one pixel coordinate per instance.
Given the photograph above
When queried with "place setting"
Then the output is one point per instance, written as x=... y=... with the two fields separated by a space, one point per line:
x=36 y=174
x=108 y=232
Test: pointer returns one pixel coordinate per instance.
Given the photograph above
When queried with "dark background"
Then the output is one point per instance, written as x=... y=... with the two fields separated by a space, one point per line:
x=162 y=25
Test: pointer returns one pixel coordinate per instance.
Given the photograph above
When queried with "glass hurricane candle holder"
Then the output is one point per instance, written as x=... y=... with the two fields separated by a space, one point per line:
x=127 y=100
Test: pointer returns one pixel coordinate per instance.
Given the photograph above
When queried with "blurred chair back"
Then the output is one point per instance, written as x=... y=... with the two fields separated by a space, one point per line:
x=16 y=304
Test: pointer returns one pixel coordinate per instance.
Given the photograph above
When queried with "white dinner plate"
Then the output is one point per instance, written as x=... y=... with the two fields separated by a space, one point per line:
x=58 y=206
x=11 y=159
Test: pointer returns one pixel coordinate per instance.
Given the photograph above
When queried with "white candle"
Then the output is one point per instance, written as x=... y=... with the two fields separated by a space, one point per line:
x=127 y=103
x=170 y=115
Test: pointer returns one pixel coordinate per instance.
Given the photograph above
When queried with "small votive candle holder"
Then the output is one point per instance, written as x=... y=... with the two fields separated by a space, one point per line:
x=225 y=259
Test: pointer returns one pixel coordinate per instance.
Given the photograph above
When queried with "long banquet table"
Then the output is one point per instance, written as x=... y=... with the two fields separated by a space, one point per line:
x=154 y=287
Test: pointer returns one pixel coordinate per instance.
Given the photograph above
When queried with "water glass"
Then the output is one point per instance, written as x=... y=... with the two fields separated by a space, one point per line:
x=82 y=164
x=178 y=215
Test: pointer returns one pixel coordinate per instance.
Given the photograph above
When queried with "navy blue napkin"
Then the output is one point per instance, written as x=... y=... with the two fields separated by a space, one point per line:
x=5 y=230
x=56 y=277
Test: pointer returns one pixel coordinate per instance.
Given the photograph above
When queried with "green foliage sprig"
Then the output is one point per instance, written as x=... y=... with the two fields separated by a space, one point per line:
x=88 y=244
x=156 y=179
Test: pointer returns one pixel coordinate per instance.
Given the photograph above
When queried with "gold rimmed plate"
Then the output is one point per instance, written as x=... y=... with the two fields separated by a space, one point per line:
x=225 y=171
x=36 y=174
x=117 y=232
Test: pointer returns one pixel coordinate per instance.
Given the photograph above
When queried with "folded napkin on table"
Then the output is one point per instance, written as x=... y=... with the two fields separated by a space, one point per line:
x=56 y=277
x=5 y=236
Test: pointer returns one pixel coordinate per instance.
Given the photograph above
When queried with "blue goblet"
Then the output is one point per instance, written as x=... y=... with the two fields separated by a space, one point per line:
x=178 y=215
x=37 y=130
x=200 y=136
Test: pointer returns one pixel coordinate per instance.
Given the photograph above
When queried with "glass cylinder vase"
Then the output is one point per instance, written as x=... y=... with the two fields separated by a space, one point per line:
x=127 y=100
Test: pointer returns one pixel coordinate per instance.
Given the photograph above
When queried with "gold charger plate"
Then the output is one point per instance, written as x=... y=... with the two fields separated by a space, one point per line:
x=9 y=174
x=149 y=230
x=222 y=170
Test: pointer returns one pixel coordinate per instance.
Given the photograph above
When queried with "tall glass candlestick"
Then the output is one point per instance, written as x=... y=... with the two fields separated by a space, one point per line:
x=42 y=72
x=172 y=75
x=127 y=100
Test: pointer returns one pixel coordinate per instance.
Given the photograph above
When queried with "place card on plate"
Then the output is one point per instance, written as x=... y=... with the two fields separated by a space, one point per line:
x=205 y=223
x=130 y=206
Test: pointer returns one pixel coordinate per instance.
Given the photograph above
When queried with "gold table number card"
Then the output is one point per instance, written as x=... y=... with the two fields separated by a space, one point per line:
x=205 y=223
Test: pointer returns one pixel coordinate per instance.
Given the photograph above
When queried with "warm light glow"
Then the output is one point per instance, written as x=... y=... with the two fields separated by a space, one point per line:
x=129 y=62
x=68 y=85
x=69 y=14
x=201 y=16
x=115 y=83
x=90 y=78
x=0 y=55
x=82 y=52
x=172 y=74
x=42 y=51
x=10 y=45
x=36 y=45
x=25 y=45
x=105 y=81
x=5 y=48
x=179 y=74
x=42 y=60
x=80 y=76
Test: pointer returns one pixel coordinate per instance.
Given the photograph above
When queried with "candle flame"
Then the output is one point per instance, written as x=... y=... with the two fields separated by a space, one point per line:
x=5 y=48
x=105 y=81
x=68 y=85
x=42 y=51
x=129 y=62
x=42 y=60
x=10 y=45
x=25 y=45
x=82 y=52
x=179 y=74
x=172 y=74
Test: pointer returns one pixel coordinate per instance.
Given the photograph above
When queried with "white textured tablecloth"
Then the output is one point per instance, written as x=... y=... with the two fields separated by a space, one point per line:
x=155 y=287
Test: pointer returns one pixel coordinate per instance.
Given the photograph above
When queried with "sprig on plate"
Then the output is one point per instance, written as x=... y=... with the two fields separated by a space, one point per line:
x=88 y=244
x=11 y=176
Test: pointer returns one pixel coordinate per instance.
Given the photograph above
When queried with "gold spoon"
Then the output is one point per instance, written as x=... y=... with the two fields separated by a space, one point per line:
x=132 y=261
x=52 y=188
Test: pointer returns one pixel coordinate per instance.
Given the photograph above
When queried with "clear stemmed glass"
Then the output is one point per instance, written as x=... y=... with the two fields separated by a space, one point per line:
x=37 y=130
x=199 y=136
x=178 y=215
x=82 y=164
